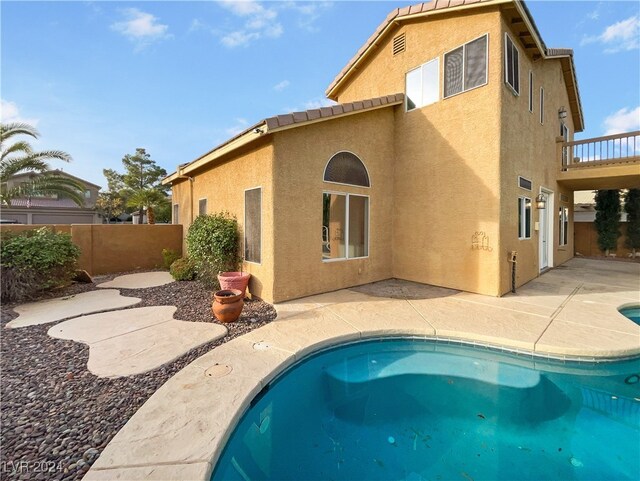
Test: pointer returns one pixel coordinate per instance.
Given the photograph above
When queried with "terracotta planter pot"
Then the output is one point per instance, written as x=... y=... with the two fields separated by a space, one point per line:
x=234 y=280
x=227 y=305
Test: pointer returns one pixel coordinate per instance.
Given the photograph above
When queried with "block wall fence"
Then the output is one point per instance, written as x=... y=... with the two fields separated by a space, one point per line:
x=112 y=248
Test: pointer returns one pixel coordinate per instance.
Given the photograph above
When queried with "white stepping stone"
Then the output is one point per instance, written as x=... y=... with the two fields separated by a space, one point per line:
x=133 y=341
x=42 y=312
x=141 y=280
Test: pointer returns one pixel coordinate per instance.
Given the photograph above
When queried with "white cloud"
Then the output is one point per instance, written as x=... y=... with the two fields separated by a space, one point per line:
x=280 y=86
x=141 y=27
x=259 y=22
x=308 y=12
x=621 y=36
x=240 y=125
x=624 y=120
x=9 y=112
x=318 y=103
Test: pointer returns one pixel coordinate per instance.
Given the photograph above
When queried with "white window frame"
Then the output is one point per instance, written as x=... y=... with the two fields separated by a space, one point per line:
x=530 y=91
x=244 y=224
x=206 y=206
x=346 y=221
x=506 y=64
x=541 y=105
x=522 y=217
x=486 y=70
x=422 y=104
x=175 y=214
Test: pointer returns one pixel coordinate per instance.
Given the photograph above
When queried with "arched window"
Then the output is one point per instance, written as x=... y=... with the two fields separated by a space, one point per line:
x=346 y=168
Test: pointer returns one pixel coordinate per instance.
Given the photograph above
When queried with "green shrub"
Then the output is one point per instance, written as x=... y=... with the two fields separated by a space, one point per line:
x=35 y=260
x=183 y=269
x=169 y=256
x=213 y=243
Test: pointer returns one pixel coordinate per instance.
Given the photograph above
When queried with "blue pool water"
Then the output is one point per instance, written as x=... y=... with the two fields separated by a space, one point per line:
x=417 y=410
x=632 y=313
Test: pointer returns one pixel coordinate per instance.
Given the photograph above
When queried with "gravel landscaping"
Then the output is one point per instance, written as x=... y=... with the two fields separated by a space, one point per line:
x=56 y=416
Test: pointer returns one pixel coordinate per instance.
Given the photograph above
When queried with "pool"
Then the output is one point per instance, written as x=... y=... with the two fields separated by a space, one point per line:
x=418 y=410
x=632 y=312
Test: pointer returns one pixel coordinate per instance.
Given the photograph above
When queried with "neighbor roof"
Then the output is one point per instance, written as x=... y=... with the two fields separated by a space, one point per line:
x=283 y=122
x=447 y=6
x=43 y=202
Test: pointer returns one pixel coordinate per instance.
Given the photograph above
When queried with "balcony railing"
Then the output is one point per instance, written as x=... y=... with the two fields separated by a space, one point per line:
x=601 y=151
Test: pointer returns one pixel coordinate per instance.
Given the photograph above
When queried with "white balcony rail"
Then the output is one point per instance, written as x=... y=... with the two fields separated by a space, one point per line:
x=611 y=149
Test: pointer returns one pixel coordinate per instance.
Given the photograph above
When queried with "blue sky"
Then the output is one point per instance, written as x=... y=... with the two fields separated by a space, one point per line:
x=99 y=79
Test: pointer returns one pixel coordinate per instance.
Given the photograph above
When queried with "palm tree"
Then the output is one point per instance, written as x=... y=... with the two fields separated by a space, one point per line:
x=149 y=198
x=20 y=158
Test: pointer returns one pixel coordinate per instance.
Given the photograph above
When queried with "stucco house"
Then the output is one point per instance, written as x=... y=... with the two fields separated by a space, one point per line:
x=450 y=122
x=52 y=209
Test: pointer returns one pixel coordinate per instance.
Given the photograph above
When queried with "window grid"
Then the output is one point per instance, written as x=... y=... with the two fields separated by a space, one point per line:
x=512 y=65
x=453 y=83
x=253 y=225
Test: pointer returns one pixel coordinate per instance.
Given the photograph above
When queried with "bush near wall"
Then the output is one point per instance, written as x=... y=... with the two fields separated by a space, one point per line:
x=213 y=243
x=35 y=260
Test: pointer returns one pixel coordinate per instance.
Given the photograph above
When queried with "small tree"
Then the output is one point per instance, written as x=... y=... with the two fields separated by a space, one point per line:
x=608 y=219
x=632 y=208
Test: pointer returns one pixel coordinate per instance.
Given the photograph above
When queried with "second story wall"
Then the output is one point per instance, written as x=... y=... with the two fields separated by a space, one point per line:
x=529 y=149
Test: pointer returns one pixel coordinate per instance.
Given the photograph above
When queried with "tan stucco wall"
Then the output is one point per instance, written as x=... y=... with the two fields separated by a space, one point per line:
x=446 y=173
x=112 y=248
x=529 y=149
x=223 y=185
x=301 y=155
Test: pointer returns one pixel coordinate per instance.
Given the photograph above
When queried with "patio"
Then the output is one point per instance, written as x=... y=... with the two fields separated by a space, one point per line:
x=567 y=313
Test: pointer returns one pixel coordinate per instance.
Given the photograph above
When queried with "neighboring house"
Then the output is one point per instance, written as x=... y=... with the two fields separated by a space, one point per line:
x=434 y=178
x=51 y=209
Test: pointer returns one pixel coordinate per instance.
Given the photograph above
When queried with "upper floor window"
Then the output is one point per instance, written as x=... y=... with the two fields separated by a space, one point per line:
x=511 y=64
x=87 y=194
x=465 y=67
x=530 y=91
x=346 y=168
x=422 y=85
x=541 y=105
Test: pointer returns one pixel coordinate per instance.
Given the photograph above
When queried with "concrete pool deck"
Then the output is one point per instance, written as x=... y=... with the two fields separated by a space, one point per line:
x=568 y=312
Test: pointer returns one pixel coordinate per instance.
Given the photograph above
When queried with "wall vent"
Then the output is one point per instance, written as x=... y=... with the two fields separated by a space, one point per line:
x=524 y=183
x=399 y=44
x=564 y=198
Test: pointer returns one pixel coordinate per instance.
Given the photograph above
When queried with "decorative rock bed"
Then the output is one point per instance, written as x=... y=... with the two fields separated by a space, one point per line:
x=57 y=416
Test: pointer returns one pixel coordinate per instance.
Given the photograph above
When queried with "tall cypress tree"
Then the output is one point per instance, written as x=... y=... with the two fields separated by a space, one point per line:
x=608 y=219
x=632 y=208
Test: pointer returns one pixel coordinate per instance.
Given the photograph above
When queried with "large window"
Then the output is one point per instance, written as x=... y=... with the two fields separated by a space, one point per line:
x=524 y=218
x=422 y=85
x=511 y=64
x=465 y=67
x=253 y=225
x=345 y=226
x=563 y=221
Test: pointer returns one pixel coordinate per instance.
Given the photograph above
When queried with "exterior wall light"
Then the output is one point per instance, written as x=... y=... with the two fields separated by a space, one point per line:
x=541 y=201
x=562 y=113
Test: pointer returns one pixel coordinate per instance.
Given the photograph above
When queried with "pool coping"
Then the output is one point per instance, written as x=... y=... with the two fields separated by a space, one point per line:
x=180 y=432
